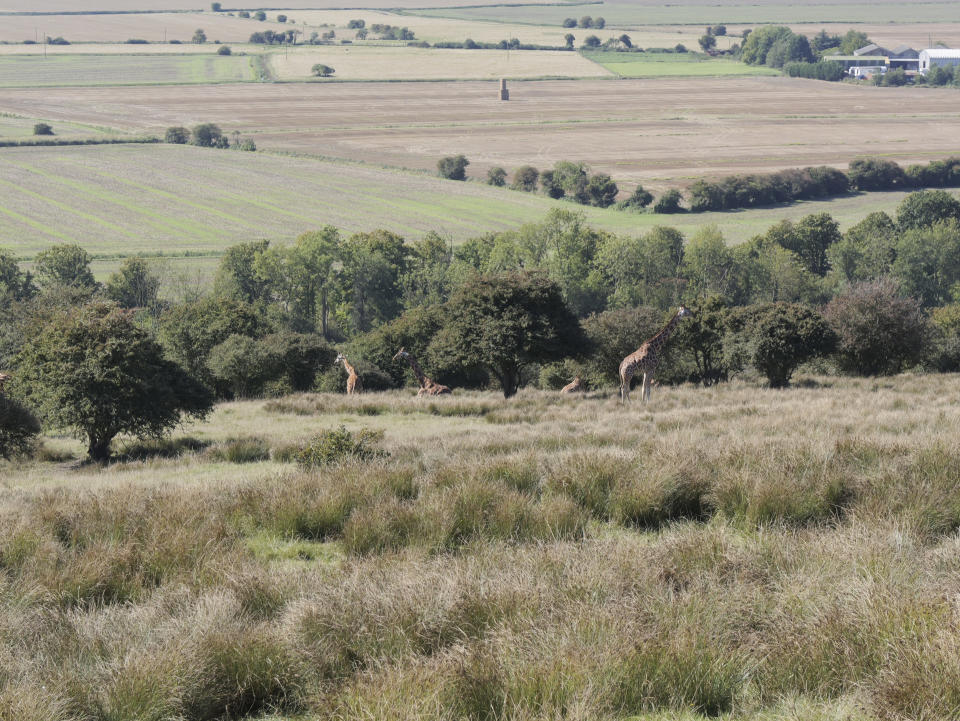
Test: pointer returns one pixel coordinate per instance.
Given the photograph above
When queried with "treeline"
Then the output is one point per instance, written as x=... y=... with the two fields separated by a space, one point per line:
x=824 y=70
x=785 y=186
x=536 y=305
x=76 y=141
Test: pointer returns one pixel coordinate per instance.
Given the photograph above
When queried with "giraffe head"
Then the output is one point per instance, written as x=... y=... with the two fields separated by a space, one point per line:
x=402 y=353
x=684 y=312
x=340 y=358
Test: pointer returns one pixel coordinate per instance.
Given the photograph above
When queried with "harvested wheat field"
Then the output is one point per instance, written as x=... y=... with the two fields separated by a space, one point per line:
x=403 y=63
x=655 y=131
x=116 y=28
x=731 y=552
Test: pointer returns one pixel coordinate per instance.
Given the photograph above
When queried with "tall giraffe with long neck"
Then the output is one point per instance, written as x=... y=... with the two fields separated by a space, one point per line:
x=428 y=387
x=646 y=357
x=353 y=380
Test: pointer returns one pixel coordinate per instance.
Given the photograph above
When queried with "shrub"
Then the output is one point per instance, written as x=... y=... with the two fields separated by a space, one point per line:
x=824 y=70
x=224 y=50
x=453 y=167
x=240 y=450
x=340 y=445
x=177 y=135
x=322 y=71
x=199 y=37
x=18 y=428
x=878 y=330
x=525 y=179
x=260 y=15
x=926 y=207
x=207 y=135
x=570 y=22
x=497 y=176
x=669 y=202
x=638 y=200
x=42 y=129
x=780 y=336
x=281 y=18
x=136 y=41
x=876 y=174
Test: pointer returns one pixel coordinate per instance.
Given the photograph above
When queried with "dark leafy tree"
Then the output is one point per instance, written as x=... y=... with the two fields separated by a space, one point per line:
x=669 y=202
x=177 y=135
x=260 y=15
x=133 y=285
x=199 y=36
x=525 y=179
x=320 y=70
x=549 y=185
x=190 y=330
x=505 y=322
x=497 y=176
x=370 y=281
x=853 y=40
x=876 y=174
x=453 y=167
x=426 y=280
x=224 y=50
x=927 y=262
x=878 y=329
x=602 y=190
x=810 y=239
x=926 y=207
x=625 y=41
x=778 y=337
x=239 y=276
x=707 y=42
x=639 y=199
x=569 y=39
x=866 y=251
x=207 y=135
x=96 y=371
x=570 y=22
x=585 y=22
x=599 y=23
x=18 y=427
x=67 y=265
x=15 y=285
x=42 y=129
x=591 y=41
x=701 y=337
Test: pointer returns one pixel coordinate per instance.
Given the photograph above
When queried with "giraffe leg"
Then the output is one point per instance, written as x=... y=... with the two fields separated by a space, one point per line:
x=625 y=379
x=646 y=386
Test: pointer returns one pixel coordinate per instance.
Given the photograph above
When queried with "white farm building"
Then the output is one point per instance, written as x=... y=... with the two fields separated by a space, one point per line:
x=938 y=57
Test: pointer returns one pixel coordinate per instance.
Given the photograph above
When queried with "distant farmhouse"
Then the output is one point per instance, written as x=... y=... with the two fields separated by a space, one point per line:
x=873 y=58
x=938 y=58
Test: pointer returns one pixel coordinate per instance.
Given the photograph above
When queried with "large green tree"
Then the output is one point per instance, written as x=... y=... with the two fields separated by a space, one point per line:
x=370 y=281
x=15 y=285
x=133 y=285
x=93 y=369
x=67 y=265
x=505 y=322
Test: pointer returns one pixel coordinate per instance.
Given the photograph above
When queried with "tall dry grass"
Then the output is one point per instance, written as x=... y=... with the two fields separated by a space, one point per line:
x=730 y=552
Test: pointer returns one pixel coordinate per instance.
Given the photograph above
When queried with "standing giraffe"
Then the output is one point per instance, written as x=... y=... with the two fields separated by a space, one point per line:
x=4 y=377
x=353 y=380
x=428 y=387
x=646 y=357
x=575 y=386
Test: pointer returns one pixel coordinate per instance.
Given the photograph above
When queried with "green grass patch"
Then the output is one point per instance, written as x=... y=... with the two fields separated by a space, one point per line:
x=661 y=65
x=30 y=71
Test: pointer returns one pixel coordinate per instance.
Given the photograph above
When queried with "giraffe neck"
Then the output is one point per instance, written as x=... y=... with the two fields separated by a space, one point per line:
x=417 y=371
x=660 y=338
x=349 y=367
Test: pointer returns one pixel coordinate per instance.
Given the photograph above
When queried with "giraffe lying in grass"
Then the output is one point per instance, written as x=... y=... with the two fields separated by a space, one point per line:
x=428 y=387
x=646 y=357
x=574 y=386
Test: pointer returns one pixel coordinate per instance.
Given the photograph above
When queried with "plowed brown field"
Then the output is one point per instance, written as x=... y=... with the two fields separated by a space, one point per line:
x=652 y=130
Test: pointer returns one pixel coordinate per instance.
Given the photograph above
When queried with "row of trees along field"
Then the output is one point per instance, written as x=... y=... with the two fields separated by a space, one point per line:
x=531 y=306
x=574 y=181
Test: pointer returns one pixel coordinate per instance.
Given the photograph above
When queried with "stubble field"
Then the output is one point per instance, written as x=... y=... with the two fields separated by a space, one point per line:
x=735 y=552
x=659 y=132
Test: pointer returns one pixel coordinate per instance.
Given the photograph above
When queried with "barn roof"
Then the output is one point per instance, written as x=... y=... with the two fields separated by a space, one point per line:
x=942 y=52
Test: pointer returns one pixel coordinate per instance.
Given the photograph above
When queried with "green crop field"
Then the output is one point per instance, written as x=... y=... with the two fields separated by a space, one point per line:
x=88 y=70
x=124 y=200
x=627 y=13
x=662 y=65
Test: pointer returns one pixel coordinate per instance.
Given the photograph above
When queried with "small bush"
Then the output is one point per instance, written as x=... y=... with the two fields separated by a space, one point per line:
x=322 y=71
x=340 y=445
x=177 y=135
x=497 y=176
x=525 y=179
x=669 y=202
x=42 y=129
x=18 y=428
x=878 y=330
x=224 y=50
x=453 y=167
x=240 y=450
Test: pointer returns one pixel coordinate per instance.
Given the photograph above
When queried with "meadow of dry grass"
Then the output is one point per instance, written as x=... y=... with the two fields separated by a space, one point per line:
x=731 y=551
